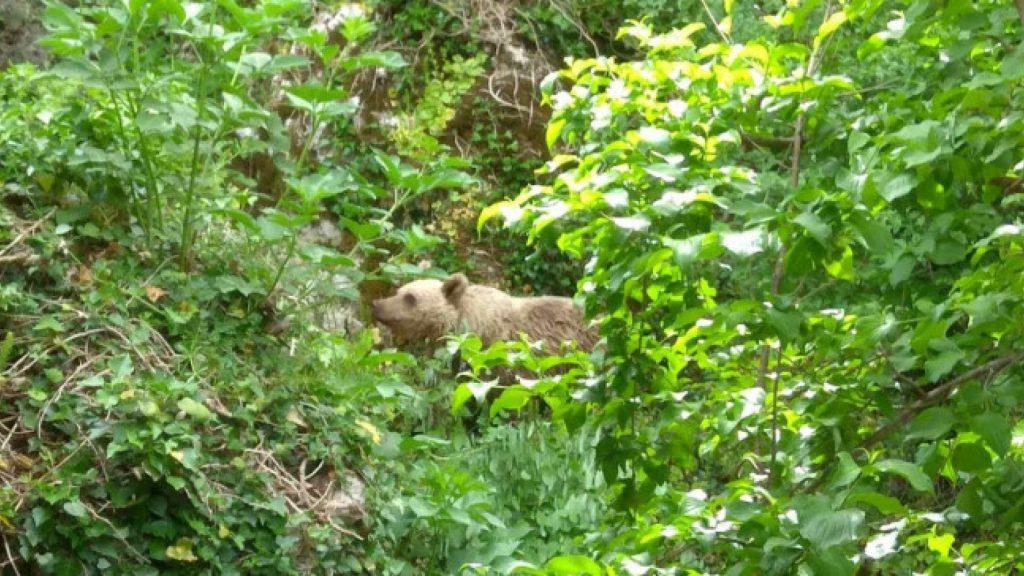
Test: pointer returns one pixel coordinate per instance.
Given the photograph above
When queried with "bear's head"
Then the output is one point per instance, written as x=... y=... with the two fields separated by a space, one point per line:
x=422 y=309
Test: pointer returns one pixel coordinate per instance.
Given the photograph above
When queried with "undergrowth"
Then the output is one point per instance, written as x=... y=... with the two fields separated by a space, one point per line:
x=171 y=399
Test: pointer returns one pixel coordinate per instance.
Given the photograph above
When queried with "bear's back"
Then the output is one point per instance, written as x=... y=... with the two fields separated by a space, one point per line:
x=496 y=315
x=556 y=320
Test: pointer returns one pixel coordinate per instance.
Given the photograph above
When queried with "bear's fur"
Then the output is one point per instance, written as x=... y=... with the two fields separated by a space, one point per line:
x=426 y=310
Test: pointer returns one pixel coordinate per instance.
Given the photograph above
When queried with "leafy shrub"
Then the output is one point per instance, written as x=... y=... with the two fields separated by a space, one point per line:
x=153 y=419
x=798 y=274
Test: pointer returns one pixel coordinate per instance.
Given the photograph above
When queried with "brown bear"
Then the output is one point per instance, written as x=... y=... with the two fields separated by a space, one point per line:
x=426 y=310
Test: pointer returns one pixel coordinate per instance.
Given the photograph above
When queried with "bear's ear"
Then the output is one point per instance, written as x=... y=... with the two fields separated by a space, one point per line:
x=454 y=287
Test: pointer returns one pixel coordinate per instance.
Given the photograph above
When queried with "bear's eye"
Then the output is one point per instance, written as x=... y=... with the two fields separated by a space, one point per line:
x=410 y=299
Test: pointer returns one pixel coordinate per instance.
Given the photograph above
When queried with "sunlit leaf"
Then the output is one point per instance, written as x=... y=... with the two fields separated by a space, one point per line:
x=828 y=529
x=910 y=472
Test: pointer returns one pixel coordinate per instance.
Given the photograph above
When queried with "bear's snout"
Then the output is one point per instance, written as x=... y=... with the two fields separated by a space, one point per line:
x=378 y=310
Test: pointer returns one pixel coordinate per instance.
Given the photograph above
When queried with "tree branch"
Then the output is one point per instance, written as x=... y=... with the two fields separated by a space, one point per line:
x=764 y=141
x=940 y=393
x=1009 y=184
x=933 y=397
x=1020 y=10
x=794 y=182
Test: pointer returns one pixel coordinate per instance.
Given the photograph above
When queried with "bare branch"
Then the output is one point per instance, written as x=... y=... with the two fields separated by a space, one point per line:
x=10 y=556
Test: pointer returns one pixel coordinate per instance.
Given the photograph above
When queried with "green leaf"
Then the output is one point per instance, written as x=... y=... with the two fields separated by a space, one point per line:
x=254 y=61
x=49 y=323
x=77 y=69
x=917 y=133
x=226 y=284
x=284 y=62
x=842 y=268
x=572 y=566
x=908 y=471
x=461 y=395
x=387 y=59
x=925 y=155
x=694 y=249
x=513 y=398
x=5 y=350
x=832 y=562
x=489 y=212
x=553 y=132
x=931 y=424
x=995 y=430
x=422 y=508
x=948 y=252
x=152 y=122
x=181 y=551
x=971 y=457
x=986 y=308
x=664 y=172
x=970 y=499
x=195 y=409
x=884 y=504
x=59 y=16
x=941 y=544
x=76 y=509
x=745 y=243
x=814 y=225
x=829 y=26
x=901 y=270
x=828 y=529
x=787 y=324
x=311 y=92
x=856 y=141
x=1013 y=65
x=873 y=234
x=391 y=165
x=846 y=472
x=446 y=178
x=896 y=187
x=942 y=364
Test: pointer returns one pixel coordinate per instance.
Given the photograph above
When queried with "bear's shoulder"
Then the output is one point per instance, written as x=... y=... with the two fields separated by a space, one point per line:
x=481 y=294
x=554 y=308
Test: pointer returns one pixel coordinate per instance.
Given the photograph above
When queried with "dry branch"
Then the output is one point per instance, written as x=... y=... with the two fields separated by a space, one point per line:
x=26 y=232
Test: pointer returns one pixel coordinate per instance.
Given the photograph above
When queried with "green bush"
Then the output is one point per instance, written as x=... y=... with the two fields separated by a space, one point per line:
x=797 y=224
x=798 y=249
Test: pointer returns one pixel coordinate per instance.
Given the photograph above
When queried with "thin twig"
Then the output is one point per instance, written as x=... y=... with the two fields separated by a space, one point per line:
x=765 y=141
x=794 y=182
x=775 y=418
x=26 y=232
x=117 y=534
x=63 y=387
x=575 y=21
x=718 y=27
x=10 y=556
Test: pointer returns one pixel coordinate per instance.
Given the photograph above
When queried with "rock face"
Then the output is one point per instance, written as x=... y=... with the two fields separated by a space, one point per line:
x=338 y=312
x=347 y=502
x=19 y=30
